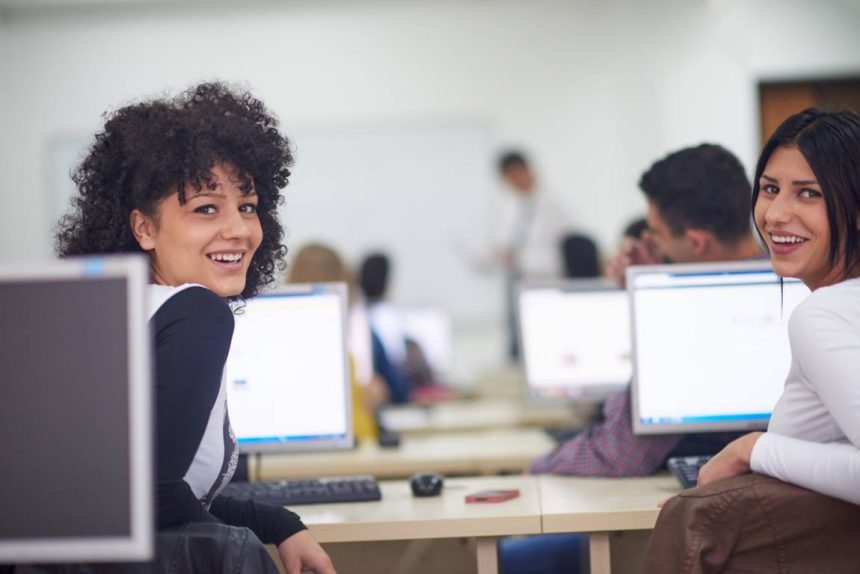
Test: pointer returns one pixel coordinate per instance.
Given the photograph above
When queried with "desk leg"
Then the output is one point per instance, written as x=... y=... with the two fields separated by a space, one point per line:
x=598 y=549
x=488 y=558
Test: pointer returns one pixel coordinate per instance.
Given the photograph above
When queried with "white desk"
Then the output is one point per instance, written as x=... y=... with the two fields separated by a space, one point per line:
x=465 y=415
x=471 y=453
x=401 y=516
x=601 y=505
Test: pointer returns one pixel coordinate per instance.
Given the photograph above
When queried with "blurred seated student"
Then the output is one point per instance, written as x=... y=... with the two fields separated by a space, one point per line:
x=698 y=200
x=800 y=511
x=388 y=324
x=634 y=238
x=319 y=263
x=698 y=211
x=194 y=183
x=580 y=257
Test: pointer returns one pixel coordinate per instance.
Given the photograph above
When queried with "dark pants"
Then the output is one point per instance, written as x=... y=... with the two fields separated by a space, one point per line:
x=194 y=548
x=512 y=280
x=754 y=523
x=545 y=554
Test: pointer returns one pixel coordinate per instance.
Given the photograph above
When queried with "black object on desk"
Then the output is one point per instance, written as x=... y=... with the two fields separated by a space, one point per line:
x=388 y=438
x=426 y=484
x=307 y=491
x=686 y=468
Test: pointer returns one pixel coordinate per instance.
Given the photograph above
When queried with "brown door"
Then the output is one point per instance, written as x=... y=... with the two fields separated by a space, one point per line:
x=778 y=100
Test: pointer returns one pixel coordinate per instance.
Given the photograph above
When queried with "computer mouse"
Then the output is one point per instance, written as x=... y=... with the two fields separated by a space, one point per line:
x=426 y=484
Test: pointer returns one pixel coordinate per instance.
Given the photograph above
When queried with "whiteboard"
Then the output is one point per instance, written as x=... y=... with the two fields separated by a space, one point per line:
x=65 y=153
x=421 y=192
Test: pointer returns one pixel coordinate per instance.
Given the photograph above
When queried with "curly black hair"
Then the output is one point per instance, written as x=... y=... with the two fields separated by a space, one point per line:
x=152 y=149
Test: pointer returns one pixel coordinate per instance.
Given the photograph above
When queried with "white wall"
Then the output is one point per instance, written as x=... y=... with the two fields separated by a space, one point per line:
x=594 y=89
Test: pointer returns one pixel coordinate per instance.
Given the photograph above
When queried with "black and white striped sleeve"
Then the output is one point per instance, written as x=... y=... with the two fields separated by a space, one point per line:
x=193 y=329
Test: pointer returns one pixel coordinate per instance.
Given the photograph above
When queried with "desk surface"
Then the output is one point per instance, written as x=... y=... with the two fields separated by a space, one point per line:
x=401 y=516
x=464 y=415
x=572 y=504
x=471 y=453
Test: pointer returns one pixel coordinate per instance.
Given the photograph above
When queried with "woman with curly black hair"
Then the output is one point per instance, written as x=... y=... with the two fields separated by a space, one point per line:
x=194 y=182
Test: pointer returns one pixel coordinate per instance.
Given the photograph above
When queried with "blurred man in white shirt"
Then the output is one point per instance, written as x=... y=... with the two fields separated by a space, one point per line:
x=526 y=235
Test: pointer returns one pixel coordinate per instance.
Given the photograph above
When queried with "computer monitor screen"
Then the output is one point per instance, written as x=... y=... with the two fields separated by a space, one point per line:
x=76 y=483
x=287 y=371
x=430 y=328
x=575 y=338
x=710 y=345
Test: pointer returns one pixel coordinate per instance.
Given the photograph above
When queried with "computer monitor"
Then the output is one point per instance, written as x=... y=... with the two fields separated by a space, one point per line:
x=430 y=327
x=287 y=372
x=575 y=338
x=76 y=482
x=710 y=345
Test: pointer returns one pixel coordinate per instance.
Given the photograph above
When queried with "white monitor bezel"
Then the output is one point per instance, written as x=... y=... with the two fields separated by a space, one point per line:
x=632 y=273
x=139 y=545
x=348 y=441
x=579 y=393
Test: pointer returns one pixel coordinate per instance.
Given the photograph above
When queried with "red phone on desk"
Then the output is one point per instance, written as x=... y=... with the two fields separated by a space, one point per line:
x=493 y=495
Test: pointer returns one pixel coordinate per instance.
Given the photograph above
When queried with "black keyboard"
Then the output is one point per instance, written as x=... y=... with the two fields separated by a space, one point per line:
x=686 y=468
x=307 y=491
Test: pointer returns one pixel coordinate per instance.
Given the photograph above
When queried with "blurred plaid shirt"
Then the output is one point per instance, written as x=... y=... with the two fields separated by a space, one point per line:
x=609 y=448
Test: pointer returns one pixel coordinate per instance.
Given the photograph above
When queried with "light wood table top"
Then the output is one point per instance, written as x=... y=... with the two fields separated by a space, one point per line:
x=401 y=516
x=464 y=415
x=467 y=453
x=572 y=504
x=598 y=506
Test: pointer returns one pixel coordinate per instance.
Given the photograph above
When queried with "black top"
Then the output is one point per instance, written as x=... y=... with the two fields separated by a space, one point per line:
x=193 y=330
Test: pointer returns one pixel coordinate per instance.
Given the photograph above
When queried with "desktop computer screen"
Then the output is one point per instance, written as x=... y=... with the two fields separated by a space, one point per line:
x=711 y=348
x=76 y=482
x=574 y=338
x=428 y=327
x=287 y=373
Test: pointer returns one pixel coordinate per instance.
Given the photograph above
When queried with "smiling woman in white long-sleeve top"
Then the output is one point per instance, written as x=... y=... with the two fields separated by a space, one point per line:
x=806 y=204
x=813 y=439
x=806 y=207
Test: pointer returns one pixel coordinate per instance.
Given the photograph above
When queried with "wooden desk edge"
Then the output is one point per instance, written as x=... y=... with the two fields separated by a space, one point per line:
x=423 y=529
x=602 y=521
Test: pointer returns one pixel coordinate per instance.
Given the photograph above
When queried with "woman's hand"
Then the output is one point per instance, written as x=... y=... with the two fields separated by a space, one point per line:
x=301 y=553
x=733 y=460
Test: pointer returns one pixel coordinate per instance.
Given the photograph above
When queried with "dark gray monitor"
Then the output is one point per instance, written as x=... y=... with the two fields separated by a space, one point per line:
x=76 y=483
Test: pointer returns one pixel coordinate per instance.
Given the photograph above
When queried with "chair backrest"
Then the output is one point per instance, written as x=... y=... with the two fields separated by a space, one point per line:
x=579 y=253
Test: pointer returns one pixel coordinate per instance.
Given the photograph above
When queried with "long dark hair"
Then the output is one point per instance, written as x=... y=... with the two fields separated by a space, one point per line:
x=830 y=143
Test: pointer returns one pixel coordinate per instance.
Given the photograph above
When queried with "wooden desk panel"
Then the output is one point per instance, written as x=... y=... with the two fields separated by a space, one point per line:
x=472 y=453
x=573 y=504
x=458 y=416
x=599 y=506
x=401 y=516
